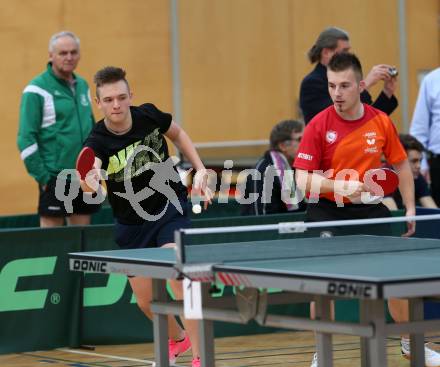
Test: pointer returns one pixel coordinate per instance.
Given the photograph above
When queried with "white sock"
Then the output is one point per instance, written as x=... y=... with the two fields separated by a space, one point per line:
x=404 y=342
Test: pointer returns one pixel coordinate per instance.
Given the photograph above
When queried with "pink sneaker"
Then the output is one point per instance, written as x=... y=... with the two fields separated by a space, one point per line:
x=177 y=348
x=195 y=362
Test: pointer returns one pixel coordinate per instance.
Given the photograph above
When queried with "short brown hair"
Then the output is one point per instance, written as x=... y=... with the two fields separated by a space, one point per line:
x=346 y=60
x=409 y=142
x=283 y=131
x=108 y=75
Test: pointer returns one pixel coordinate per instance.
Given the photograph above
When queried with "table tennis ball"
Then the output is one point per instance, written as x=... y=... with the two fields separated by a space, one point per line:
x=197 y=209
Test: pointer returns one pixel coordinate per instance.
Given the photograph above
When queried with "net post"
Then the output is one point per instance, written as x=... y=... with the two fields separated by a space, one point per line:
x=180 y=251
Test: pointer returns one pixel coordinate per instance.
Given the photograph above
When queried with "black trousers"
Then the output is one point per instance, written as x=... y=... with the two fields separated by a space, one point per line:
x=434 y=171
x=326 y=210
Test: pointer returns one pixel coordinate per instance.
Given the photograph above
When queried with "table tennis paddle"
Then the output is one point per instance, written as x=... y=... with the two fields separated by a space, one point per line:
x=85 y=161
x=386 y=178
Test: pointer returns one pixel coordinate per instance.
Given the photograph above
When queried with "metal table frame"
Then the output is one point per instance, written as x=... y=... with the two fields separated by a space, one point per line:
x=372 y=328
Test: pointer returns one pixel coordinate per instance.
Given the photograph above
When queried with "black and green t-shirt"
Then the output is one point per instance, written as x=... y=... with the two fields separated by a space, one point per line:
x=141 y=175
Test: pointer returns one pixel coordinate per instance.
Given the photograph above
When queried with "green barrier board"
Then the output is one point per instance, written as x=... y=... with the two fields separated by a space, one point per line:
x=39 y=299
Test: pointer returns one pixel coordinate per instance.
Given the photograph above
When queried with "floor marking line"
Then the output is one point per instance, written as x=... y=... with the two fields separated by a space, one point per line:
x=58 y=359
x=152 y=363
x=106 y=356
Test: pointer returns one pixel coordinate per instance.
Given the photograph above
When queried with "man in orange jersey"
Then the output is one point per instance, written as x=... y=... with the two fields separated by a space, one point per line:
x=348 y=139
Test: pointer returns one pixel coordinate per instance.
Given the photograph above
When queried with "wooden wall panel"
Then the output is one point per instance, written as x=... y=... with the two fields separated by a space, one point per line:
x=131 y=34
x=423 y=45
x=25 y=29
x=235 y=67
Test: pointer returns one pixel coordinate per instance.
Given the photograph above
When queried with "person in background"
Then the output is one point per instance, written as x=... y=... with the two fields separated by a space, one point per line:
x=276 y=185
x=314 y=96
x=55 y=120
x=422 y=194
x=425 y=127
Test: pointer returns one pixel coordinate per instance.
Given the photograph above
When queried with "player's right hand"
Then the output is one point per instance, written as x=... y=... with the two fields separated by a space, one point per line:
x=91 y=181
x=201 y=187
x=351 y=188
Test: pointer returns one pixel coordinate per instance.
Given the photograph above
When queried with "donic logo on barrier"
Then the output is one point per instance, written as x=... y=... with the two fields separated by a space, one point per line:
x=90 y=265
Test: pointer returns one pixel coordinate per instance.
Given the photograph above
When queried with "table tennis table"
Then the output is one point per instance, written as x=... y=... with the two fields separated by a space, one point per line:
x=371 y=269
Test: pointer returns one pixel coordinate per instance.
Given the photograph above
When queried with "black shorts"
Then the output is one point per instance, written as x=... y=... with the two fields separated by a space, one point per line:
x=50 y=206
x=153 y=233
x=325 y=210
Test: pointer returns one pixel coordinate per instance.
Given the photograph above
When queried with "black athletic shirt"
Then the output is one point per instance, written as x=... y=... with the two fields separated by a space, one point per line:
x=149 y=125
x=421 y=189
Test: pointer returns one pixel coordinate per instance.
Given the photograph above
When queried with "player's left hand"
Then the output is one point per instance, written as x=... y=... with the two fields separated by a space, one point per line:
x=200 y=186
x=411 y=225
x=351 y=189
x=377 y=73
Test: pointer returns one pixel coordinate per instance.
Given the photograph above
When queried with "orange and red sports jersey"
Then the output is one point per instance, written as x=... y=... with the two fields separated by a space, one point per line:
x=333 y=145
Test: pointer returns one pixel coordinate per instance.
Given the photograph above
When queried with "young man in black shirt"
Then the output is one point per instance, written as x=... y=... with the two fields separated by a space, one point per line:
x=144 y=189
x=422 y=193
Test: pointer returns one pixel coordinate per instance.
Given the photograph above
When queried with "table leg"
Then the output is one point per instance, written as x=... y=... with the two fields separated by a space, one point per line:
x=206 y=340
x=417 y=340
x=377 y=345
x=206 y=334
x=363 y=316
x=324 y=340
x=160 y=325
